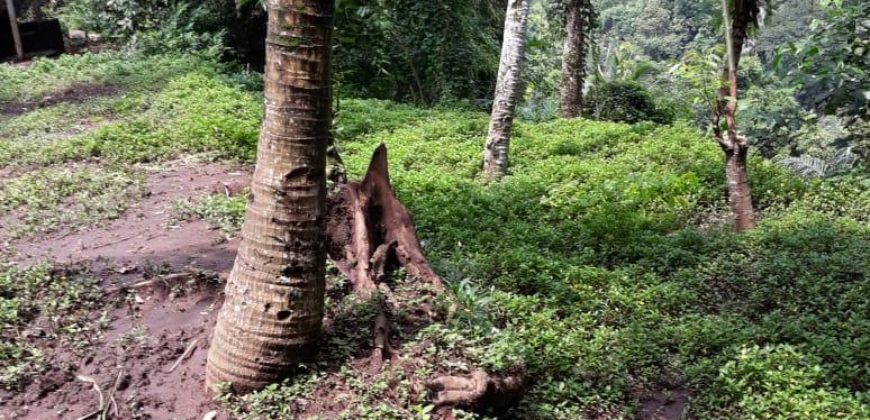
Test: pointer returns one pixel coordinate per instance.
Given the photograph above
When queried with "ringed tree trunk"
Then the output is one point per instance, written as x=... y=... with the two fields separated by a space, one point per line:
x=573 y=61
x=495 y=152
x=735 y=146
x=271 y=318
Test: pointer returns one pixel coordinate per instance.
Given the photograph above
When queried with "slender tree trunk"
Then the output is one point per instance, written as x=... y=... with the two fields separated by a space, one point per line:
x=573 y=61
x=735 y=147
x=739 y=195
x=495 y=153
x=271 y=318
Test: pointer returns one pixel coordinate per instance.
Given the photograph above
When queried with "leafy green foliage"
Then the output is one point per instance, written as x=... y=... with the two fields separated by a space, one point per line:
x=833 y=60
x=598 y=261
x=423 y=52
x=781 y=382
x=621 y=102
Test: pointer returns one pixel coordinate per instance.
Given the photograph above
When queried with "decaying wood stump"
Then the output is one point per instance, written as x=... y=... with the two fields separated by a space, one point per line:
x=370 y=232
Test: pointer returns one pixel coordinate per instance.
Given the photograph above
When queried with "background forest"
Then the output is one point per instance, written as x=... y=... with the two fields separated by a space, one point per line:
x=603 y=267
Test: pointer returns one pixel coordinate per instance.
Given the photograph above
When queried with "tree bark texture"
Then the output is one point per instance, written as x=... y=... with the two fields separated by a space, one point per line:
x=735 y=146
x=495 y=153
x=271 y=318
x=573 y=61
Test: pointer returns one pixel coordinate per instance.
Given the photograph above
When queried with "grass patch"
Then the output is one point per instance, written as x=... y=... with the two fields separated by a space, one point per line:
x=219 y=211
x=123 y=68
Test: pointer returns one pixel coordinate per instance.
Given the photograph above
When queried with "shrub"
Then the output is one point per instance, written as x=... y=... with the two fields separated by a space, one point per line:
x=621 y=102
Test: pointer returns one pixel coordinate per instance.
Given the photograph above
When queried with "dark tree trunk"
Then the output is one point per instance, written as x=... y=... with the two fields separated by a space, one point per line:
x=573 y=61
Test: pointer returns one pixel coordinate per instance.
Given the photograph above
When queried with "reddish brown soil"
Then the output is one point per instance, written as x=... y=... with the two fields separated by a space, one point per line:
x=137 y=352
x=128 y=250
x=664 y=405
x=141 y=238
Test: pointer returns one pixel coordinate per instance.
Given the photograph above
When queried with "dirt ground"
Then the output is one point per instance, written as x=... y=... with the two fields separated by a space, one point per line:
x=152 y=328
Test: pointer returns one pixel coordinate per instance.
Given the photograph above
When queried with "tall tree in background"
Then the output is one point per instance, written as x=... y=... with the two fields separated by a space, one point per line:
x=737 y=24
x=495 y=153
x=579 y=22
x=271 y=318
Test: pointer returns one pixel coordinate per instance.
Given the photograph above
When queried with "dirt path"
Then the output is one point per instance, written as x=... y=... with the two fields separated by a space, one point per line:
x=151 y=329
x=141 y=237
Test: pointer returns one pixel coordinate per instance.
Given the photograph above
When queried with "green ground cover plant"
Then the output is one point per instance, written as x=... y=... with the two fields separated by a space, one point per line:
x=39 y=305
x=597 y=260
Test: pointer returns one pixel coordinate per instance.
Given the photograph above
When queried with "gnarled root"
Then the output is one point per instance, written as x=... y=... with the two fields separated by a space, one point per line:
x=477 y=391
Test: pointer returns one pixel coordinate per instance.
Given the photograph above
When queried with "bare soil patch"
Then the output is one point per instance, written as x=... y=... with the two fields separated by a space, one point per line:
x=150 y=363
x=140 y=238
x=664 y=405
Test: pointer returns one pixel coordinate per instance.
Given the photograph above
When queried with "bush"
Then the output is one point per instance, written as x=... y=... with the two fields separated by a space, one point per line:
x=601 y=260
x=621 y=102
x=155 y=26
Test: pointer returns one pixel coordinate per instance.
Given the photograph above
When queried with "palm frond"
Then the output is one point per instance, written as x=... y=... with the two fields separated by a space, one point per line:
x=809 y=167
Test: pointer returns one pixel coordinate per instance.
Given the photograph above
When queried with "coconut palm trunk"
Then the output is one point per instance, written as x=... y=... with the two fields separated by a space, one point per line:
x=271 y=318
x=573 y=61
x=735 y=146
x=495 y=153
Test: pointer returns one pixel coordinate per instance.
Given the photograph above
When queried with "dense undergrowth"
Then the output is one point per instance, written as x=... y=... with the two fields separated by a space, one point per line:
x=602 y=261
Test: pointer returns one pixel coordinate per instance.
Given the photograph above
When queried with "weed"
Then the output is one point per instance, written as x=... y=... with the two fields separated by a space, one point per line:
x=48 y=199
x=40 y=305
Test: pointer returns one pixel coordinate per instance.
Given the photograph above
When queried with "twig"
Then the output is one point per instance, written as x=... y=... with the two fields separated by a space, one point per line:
x=93 y=382
x=147 y=283
x=124 y=239
x=112 y=403
x=184 y=355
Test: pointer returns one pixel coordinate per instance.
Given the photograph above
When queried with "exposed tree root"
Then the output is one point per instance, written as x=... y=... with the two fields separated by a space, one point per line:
x=370 y=232
x=478 y=390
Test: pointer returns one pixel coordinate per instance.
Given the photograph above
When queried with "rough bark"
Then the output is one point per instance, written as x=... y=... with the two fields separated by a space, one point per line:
x=369 y=228
x=271 y=318
x=735 y=147
x=573 y=61
x=495 y=153
x=739 y=195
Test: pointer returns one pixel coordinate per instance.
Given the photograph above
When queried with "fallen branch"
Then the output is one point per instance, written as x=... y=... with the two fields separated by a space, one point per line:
x=382 y=349
x=477 y=390
x=165 y=279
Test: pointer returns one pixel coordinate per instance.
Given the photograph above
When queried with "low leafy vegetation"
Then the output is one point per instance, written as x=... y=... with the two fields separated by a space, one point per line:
x=48 y=199
x=599 y=261
x=40 y=306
